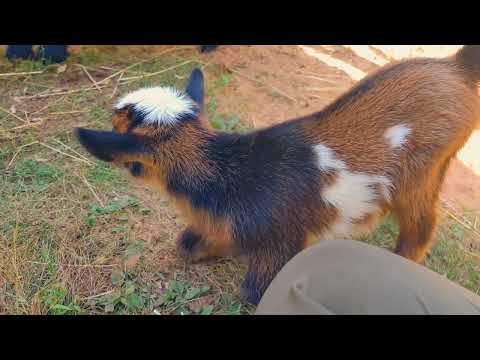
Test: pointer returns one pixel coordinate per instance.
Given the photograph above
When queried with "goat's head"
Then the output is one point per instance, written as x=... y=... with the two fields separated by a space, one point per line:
x=154 y=129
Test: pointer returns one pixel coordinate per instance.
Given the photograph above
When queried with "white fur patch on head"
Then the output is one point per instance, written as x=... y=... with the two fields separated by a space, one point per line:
x=397 y=135
x=354 y=195
x=159 y=105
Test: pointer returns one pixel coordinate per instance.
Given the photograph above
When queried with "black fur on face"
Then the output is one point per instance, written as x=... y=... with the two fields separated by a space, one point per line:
x=107 y=145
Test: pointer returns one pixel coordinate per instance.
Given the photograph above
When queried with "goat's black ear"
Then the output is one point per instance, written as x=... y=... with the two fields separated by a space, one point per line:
x=195 y=86
x=109 y=146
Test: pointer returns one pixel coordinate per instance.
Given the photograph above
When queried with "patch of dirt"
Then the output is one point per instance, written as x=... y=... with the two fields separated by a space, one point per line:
x=281 y=67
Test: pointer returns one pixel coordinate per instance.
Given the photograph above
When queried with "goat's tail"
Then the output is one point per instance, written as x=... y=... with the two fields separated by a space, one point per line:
x=469 y=57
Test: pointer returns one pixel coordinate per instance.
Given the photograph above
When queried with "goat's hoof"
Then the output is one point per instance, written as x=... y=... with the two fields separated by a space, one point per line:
x=250 y=294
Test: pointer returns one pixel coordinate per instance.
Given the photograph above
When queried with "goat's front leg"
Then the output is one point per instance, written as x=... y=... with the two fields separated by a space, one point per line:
x=193 y=247
x=263 y=267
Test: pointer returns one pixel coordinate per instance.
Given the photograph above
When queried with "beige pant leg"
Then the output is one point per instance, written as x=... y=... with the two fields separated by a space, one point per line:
x=351 y=277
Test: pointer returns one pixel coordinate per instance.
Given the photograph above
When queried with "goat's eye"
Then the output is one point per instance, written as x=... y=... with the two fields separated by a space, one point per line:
x=135 y=168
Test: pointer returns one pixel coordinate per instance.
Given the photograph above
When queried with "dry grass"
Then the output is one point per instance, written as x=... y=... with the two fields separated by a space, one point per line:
x=76 y=236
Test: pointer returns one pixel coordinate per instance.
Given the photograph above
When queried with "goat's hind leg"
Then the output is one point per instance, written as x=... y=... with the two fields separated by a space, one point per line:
x=417 y=229
x=417 y=215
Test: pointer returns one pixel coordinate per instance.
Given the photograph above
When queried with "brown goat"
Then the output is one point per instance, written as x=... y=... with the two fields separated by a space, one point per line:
x=385 y=145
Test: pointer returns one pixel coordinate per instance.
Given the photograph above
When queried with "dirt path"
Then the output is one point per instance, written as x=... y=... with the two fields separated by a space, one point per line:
x=297 y=83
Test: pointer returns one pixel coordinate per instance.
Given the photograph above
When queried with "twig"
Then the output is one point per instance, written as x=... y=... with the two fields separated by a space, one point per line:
x=130 y=71
x=12 y=114
x=116 y=86
x=21 y=73
x=73 y=150
x=37 y=84
x=31 y=124
x=171 y=309
x=98 y=295
x=334 y=76
x=37 y=96
x=471 y=253
x=69 y=112
x=324 y=88
x=17 y=152
x=73 y=265
x=121 y=71
x=47 y=106
x=141 y=62
x=89 y=76
x=317 y=97
x=92 y=190
x=157 y=72
x=264 y=84
x=467 y=226
x=320 y=79
x=63 y=153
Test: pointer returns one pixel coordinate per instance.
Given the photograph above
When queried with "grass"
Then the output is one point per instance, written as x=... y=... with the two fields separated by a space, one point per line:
x=79 y=237
x=220 y=121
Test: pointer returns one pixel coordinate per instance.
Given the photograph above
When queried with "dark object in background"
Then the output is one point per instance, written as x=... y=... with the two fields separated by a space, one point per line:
x=51 y=53
x=57 y=53
x=15 y=52
x=207 y=48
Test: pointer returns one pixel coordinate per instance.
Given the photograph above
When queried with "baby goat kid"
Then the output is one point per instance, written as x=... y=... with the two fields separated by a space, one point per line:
x=385 y=145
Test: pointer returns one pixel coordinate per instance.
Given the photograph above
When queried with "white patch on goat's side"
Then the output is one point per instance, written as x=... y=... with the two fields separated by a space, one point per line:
x=326 y=158
x=397 y=135
x=160 y=105
x=354 y=195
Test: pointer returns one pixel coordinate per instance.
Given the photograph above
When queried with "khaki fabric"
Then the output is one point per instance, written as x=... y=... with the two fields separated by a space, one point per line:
x=345 y=277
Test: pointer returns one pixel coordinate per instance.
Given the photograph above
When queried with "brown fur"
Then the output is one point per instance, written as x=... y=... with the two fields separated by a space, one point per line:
x=184 y=150
x=216 y=233
x=120 y=121
x=424 y=95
